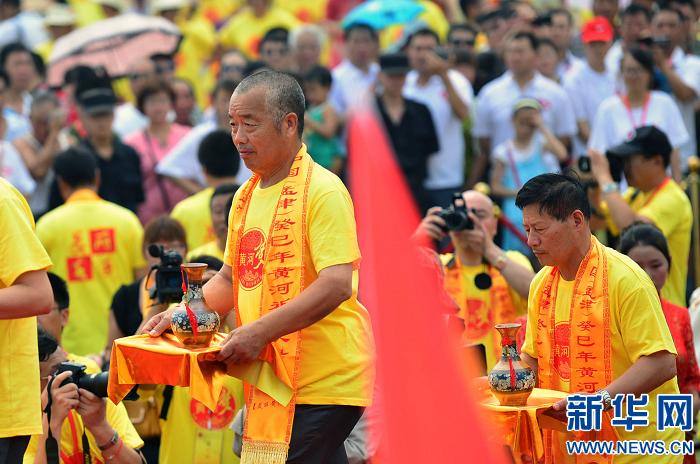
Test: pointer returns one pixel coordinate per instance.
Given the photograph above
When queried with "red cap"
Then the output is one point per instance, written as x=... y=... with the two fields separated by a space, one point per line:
x=597 y=29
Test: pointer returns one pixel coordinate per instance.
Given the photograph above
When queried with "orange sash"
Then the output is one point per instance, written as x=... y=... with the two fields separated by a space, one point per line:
x=502 y=308
x=590 y=349
x=268 y=425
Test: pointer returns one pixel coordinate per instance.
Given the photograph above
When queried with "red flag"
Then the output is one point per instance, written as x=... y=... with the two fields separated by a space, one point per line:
x=430 y=415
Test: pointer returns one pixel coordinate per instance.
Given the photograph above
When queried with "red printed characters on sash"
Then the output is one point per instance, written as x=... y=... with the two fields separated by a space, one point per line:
x=478 y=319
x=251 y=258
x=562 y=352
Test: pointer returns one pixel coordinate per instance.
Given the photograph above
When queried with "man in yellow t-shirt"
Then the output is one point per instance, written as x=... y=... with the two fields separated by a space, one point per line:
x=25 y=292
x=333 y=358
x=77 y=414
x=220 y=162
x=653 y=197
x=220 y=198
x=246 y=29
x=95 y=246
x=610 y=336
x=477 y=257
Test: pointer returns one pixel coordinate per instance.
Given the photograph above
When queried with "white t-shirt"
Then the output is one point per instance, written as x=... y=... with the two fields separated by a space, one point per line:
x=13 y=169
x=350 y=85
x=570 y=64
x=495 y=102
x=127 y=120
x=27 y=28
x=446 y=166
x=587 y=89
x=182 y=162
x=613 y=124
x=688 y=69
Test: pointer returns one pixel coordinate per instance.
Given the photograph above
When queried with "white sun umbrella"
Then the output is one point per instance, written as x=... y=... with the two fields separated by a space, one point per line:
x=114 y=43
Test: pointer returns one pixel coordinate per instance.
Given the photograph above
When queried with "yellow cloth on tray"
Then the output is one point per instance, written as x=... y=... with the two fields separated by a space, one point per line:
x=519 y=427
x=142 y=359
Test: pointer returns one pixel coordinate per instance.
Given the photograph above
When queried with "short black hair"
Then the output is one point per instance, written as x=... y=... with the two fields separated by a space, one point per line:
x=276 y=34
x=76 y=167
x=670 y=10
x=47 y=345
x=320 y=75
x=12 y=3
x=361 y=27
x=635 y=9
x=283 y=96
x=253 y=67
x=210 y=261
x=4 y=77
x=641 y=234
x=186 y=82
x=14 y=47
x=546 y=42
x=565 y=12
x=39 y=64
x=228 y=188
x=218 y=154
x=645 y=59
x=153 y=87
x=229 y=85
x=424 y=32
x=530 y=37
x=229 y=205
x=667 y=3
x=461 y=27
x=60 y=291
x=558 y=195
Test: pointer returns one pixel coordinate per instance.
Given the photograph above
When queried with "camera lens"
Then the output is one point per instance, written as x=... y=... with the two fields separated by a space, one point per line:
x=174 y=281
x=456 y=220
x=95 y=383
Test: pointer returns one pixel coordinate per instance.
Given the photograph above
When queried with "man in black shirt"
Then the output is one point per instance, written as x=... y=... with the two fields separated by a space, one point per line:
x=408 y=124
x=119 y=164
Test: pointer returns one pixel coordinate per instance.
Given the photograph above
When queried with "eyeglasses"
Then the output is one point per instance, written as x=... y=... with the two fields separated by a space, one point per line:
x=165 y=67
x=459 y=42
x=633 y=72
x=137 y=77
x=272 y=51
x=232 y=68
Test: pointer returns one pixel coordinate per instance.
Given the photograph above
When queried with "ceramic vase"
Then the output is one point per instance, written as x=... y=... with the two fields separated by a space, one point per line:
x=207 y=320
x=511 y=380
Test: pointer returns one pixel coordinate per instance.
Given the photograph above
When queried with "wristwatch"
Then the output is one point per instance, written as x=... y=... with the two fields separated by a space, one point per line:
x=500 y=262
x=111 y=442
x=609 y=187
x=607 y=399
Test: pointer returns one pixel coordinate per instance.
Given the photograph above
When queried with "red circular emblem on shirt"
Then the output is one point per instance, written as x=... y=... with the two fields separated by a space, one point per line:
x=562 y=354
x=478 y=319
x=250 y=259
x=214 y=420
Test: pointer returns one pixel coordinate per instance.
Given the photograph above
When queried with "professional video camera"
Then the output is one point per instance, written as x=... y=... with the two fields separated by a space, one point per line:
x=456 y=217
x=168 y=276
x=584 y=165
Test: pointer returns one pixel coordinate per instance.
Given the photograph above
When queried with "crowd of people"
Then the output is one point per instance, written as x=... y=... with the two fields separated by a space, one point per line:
x=466 y=92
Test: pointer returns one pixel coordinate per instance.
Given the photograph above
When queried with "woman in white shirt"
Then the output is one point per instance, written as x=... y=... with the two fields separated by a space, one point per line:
x=618 y=116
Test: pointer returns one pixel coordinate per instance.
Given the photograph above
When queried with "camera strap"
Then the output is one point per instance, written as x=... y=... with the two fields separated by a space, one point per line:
x=51 y=445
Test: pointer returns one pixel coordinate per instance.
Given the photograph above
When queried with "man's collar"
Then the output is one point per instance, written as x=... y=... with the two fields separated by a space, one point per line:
x=83 y=194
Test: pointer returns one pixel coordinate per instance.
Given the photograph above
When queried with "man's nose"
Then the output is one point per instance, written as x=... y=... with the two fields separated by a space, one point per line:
x=532 y=240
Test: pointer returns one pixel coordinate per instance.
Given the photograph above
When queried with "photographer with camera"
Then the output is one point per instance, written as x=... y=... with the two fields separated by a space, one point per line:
x=490 y=284
x=653 y=197
x=81 y=420
x=95 y=246
x=680 y=70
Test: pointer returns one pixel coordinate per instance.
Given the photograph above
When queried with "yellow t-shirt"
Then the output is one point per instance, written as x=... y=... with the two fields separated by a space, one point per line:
x=194 y=213
x=245 y=31
x=44 y=50
x=671 y=212
x=95 y=246
x=194 y=434
x=193 y=55
x=337 y=353
x=208 y=249
x=306 y=11
x=86 y=11
x=638 y=328
x=476 y=310
x=20 y=252
x=72 y=435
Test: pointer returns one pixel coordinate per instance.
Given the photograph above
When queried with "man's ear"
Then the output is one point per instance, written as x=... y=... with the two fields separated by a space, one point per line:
x=579 y=219
x=65 y=315
x=290 y=125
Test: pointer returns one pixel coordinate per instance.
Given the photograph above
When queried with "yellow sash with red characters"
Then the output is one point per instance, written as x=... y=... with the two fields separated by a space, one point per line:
x=268 y=425
x=502 y=309
x=590 y=349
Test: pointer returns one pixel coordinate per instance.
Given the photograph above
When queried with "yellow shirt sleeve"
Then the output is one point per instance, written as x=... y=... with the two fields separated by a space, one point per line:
x=119 y=419
x=663 y=212
x=20 y=248
x=530 y=345
x=332 y=231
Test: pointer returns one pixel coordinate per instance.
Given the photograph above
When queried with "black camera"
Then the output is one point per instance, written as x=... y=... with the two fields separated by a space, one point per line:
x=662 y=41
x=615 y=162
x=456 y=217
x=169 y=276
x=94 y=383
